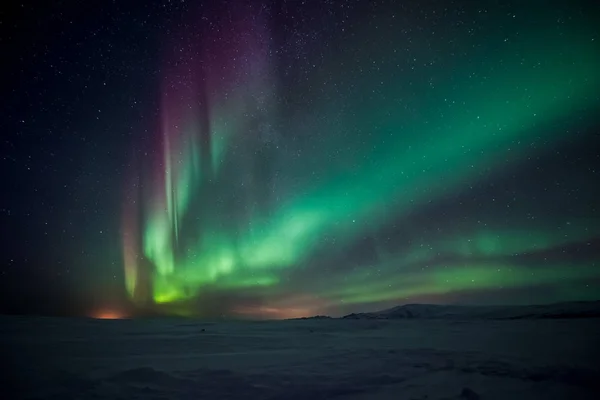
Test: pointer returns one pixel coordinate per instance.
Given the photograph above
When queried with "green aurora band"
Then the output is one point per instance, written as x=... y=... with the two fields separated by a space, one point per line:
x=378 y=143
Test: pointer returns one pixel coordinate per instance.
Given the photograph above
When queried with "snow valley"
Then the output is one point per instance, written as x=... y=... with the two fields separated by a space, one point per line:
x=409 y=352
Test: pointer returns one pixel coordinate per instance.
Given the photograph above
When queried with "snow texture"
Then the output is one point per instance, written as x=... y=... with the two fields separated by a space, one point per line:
x=417 y=358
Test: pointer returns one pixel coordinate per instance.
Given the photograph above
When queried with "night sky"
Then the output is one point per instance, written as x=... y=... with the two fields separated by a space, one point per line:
x=279 y=159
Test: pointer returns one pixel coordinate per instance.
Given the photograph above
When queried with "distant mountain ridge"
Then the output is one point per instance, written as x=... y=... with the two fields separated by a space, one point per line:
x=580 y=309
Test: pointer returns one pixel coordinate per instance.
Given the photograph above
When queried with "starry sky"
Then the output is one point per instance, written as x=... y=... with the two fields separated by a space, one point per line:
x=278 y=159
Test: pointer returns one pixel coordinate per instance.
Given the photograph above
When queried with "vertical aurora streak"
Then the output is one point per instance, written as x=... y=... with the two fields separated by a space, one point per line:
x=257 y=191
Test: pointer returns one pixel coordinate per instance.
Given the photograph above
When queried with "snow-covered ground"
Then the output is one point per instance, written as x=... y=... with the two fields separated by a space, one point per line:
x=53 y=358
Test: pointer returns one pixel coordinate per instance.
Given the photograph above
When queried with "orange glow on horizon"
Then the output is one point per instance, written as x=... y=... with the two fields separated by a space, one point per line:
x=108 y=314
x=273 y=312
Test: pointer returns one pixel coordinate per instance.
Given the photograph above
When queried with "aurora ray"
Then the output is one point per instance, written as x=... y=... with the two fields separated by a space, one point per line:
x=258 y=187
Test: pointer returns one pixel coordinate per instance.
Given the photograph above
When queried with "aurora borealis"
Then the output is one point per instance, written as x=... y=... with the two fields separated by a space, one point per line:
x=274 y=159
x=404 y=165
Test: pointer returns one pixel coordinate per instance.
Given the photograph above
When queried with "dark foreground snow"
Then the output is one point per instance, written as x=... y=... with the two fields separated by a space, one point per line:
x=46 y=358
